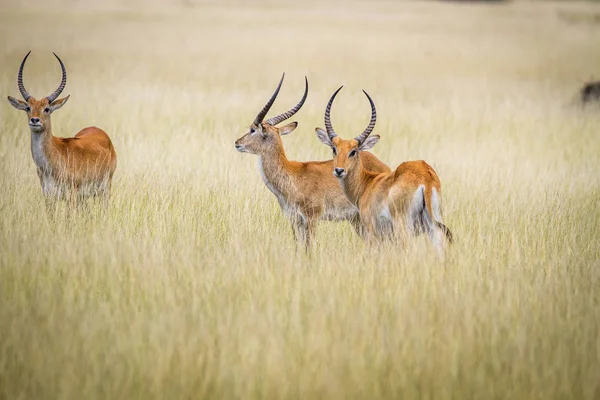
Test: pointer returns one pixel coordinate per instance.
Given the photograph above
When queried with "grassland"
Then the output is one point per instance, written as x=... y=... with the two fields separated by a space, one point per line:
x=192 y=287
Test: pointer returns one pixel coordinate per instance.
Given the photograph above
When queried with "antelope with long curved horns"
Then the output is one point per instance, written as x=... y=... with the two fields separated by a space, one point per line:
x=69 y=168
x=306 y=191
x=395 y=204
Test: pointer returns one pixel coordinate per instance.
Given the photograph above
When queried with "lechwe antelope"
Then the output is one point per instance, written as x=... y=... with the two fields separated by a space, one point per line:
x=306 y=191
x=395 y=204
x=69 y=168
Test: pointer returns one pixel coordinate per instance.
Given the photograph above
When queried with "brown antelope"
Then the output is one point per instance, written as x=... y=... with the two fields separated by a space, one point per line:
x=69 y=168
x=306 y=191
x=392 y=204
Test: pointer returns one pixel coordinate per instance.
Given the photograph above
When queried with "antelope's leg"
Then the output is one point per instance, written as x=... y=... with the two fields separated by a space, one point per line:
x=72 y=198
x=369 y=228
x=298 y=228
x=358 y=227
x=106 y=195
x=303 y=230
x=439 y=237
x=311 y=225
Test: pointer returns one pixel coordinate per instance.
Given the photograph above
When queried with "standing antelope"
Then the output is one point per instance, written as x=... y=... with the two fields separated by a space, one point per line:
x=69 y=168
x=397 y=203
x=306 y=191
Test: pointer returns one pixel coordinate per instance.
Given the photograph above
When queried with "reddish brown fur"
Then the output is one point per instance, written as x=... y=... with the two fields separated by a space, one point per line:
x=67 y=165
x=307 y=191
x=414 y=173
x=376 y=192
x=88 y=156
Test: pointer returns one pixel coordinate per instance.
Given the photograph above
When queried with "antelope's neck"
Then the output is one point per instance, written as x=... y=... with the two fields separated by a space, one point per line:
x=42 y=150
x=355 y=183
x=275 y=172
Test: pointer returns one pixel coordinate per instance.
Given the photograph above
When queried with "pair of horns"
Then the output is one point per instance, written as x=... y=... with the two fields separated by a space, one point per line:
x=363 y=136
x=286 y=115
x=54 y=94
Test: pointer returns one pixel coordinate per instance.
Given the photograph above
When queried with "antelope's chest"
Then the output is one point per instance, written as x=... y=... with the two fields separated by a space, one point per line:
x=287 y=207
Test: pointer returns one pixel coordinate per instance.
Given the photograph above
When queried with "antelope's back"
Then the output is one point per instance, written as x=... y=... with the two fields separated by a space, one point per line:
x=92 y=146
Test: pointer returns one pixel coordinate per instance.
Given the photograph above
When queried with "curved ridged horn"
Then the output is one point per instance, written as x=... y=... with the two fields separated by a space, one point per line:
x=282 y=117
x=330 y=132
x=24 y=93
x=261 y=115
x=63 y=82
x=363 y=136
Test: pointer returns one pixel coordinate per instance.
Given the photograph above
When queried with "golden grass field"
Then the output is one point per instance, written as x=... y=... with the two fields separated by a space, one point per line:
x=192 y=287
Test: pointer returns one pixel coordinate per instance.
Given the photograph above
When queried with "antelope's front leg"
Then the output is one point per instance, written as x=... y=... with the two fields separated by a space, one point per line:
x=358 y=227
x=303 y=230
x=369 y=224
x=311 y=225
x=76 y=202
x=299 y=229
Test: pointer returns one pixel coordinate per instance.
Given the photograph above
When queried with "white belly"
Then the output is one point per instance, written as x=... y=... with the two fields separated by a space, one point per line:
x=340 y=214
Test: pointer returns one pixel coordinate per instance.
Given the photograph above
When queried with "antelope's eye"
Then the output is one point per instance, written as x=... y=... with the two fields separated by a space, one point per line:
x=334 y=150
x=27 y=108
x=352 y=153
x=252 y=130
x=46 y=110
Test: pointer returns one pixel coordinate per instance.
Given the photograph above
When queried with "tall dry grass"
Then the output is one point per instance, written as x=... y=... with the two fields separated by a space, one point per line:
x=191 y=287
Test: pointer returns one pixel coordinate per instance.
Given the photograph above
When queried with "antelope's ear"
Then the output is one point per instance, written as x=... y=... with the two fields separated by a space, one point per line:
x=58 y=103
x=18 y=104
x=370 y=142
x=323 y=137
x=289 y=128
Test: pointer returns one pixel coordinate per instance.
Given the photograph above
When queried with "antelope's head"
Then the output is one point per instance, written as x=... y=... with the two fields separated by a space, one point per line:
x=345 y=152
x=263 y=136
x=38 y=111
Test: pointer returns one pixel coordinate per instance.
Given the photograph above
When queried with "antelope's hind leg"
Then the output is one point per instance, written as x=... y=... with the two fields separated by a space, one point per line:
x=442 y=235
x=104 y=194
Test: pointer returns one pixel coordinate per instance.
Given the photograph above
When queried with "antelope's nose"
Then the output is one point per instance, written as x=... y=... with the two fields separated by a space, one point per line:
x=339 y=171
x=34 y=121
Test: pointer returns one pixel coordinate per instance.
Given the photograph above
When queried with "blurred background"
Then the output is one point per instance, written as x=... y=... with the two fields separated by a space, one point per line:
x=192 y=286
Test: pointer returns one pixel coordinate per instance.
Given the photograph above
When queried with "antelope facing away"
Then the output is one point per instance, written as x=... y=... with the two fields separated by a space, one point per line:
x=394 y=204
x=69 y=168
x=306 y=191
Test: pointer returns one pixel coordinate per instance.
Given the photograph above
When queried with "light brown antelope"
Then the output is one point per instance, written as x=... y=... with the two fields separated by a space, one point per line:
x=69 y=168
x=394 y=204
x=306 y=191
